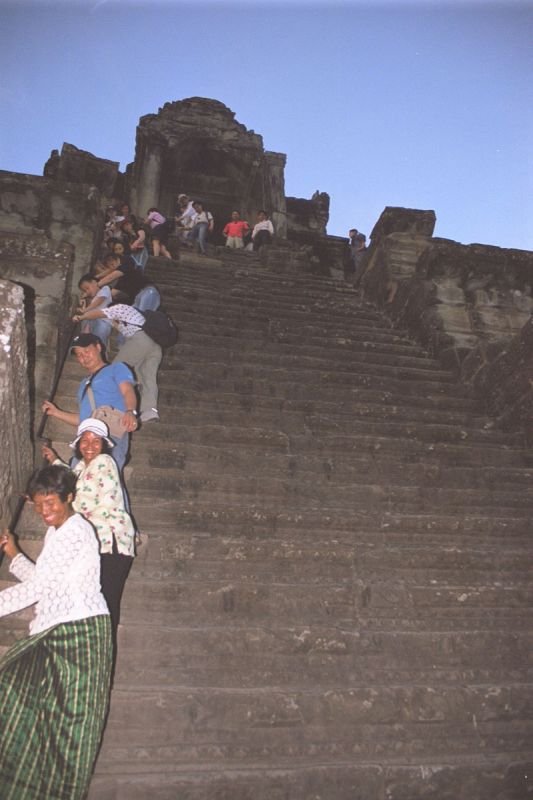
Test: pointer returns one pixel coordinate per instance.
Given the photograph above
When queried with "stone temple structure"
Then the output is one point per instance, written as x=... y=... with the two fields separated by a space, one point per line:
x=333 y=595
x=197 y=146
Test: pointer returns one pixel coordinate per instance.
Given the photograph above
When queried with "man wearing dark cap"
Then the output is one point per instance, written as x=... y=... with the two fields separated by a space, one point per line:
x=111 y=384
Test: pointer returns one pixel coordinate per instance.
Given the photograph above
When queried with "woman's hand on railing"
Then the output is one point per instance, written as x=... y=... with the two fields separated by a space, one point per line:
x=48 y=453
x=8 y=544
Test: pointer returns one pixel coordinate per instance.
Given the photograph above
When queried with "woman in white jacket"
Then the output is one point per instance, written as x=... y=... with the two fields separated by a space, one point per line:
x=54 y=684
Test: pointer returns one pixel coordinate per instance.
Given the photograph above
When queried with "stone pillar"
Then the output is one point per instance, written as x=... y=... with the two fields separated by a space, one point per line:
x=148 y=181
x=274 y=185
x=16 y=462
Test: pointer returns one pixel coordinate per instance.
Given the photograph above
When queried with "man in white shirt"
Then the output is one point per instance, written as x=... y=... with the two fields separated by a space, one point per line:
x=203 y=222
x=263 y=231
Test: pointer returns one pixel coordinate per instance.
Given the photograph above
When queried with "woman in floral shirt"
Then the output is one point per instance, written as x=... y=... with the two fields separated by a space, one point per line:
x=100 y=499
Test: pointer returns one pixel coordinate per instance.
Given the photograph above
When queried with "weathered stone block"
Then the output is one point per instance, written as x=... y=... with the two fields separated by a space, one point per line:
x=403 y=220
x=448 y=292
x=14 y=399
x=79 y=166
x=64 y=212
x=43 y=268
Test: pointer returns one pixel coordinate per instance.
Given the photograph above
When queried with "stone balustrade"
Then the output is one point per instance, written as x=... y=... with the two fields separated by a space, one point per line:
x=469 y=304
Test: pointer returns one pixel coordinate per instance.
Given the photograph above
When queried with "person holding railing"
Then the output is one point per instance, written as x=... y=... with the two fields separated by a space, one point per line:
x=111 y=385
x=54 y=684
x=100 y=499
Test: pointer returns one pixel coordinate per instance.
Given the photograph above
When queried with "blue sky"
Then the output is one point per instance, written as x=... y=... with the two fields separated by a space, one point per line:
x=423 y=105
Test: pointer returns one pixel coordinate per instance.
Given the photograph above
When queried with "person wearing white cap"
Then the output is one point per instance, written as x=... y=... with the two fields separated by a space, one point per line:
x=99 y=498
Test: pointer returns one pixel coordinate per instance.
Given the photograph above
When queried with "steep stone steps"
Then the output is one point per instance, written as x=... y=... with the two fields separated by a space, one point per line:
x=316 y=340
x=200 y=460
x=343 y=781
x=187 y=656
x=380 y=524
x=274 y=355
x=289 y=413
x=350 y=338
x=230 y=727
x=333 y=593
x=296 y=492
x=203 y=452
x=179 y=387
x=306 y=369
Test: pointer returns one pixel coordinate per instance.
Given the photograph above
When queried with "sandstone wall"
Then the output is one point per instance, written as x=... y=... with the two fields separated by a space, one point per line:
x=50 y=232
x=43 y=271
x=14 y=399
x=64 y=212
x=467 y=303
x=450 y=296
x=307 y=219
x=79 y=166
x=501 y=374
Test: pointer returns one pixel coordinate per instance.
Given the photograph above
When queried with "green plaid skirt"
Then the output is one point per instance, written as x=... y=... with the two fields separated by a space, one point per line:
x=54 y=694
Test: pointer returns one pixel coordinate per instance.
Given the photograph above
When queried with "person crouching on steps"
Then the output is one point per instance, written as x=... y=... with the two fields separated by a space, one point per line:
x=139 y=351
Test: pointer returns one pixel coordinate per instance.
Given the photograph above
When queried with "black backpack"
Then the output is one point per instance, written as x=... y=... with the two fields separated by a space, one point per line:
x=159 y=327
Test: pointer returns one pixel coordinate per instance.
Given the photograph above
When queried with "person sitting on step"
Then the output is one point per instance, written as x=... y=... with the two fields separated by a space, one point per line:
x=129 y=283
x=135 y=238
x=94 y=296
x=112 y=225
x=263 y=231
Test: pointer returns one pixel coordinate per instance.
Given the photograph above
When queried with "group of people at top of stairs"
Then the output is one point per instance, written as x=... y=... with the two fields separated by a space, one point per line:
x=192 y=224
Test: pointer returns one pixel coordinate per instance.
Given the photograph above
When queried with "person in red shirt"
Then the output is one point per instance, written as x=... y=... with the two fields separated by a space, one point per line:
x=235 y=231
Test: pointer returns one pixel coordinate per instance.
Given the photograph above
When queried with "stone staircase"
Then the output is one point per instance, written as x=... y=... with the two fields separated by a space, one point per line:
x=333 y=596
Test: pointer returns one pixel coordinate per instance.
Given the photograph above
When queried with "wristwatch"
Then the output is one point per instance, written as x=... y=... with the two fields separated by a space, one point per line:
x=132 y=411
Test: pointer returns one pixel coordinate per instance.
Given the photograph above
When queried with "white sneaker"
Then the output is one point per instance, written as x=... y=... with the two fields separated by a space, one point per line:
x=149 y=415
